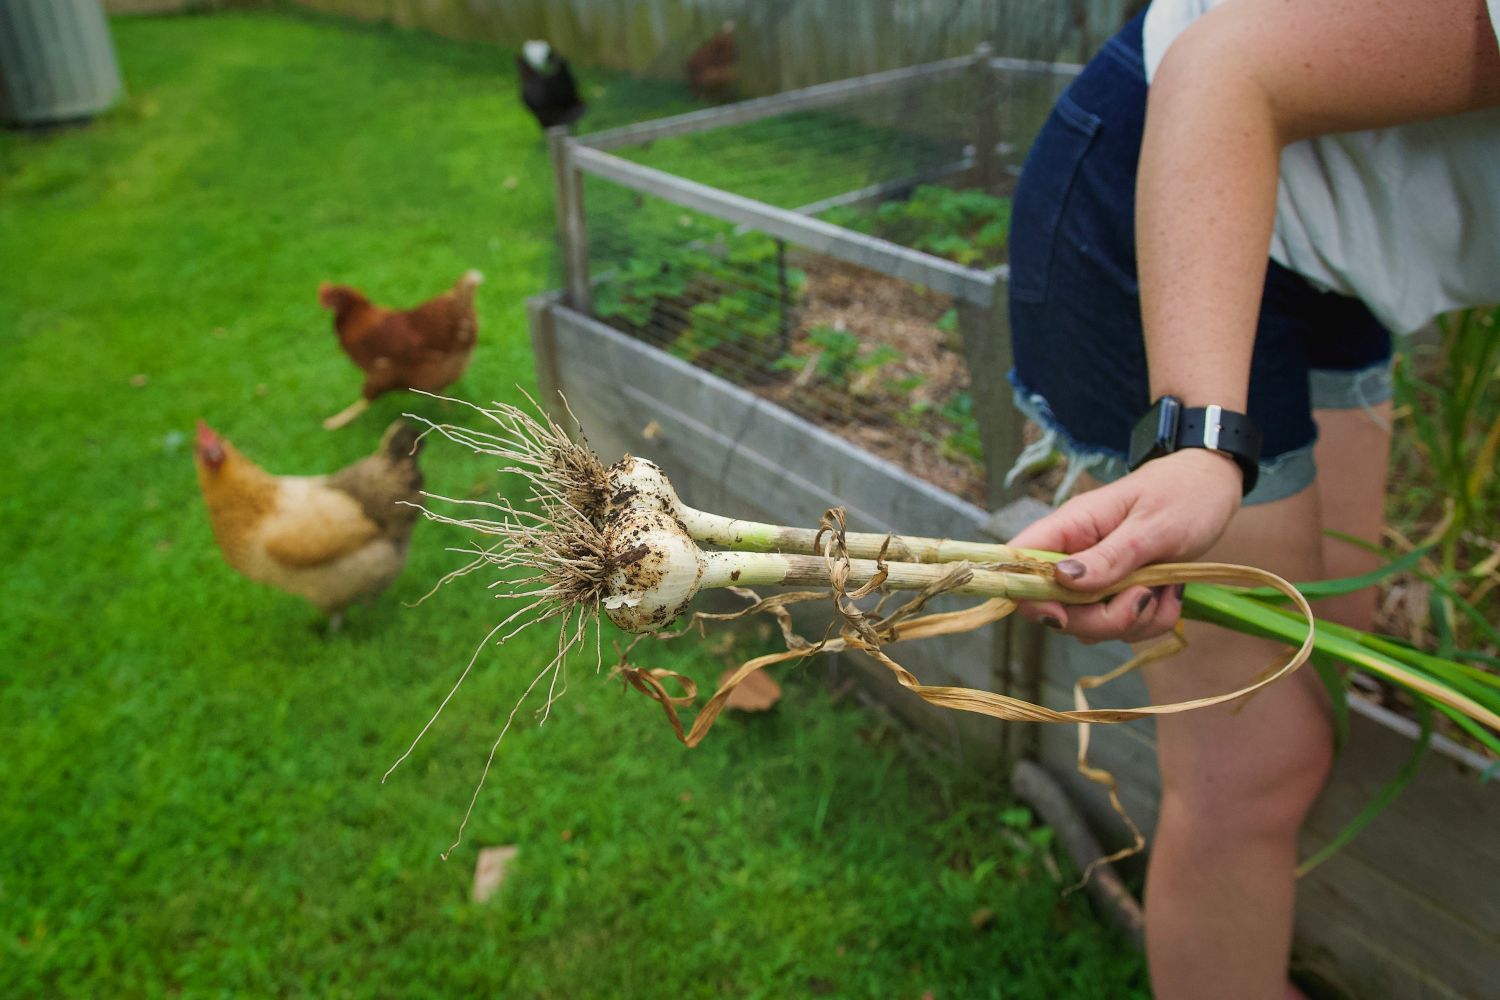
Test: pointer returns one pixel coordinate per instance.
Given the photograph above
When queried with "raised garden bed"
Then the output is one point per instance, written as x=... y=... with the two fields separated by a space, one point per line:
x=728 y=419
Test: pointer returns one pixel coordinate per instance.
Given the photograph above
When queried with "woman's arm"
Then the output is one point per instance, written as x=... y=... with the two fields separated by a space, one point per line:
x=1238 y=85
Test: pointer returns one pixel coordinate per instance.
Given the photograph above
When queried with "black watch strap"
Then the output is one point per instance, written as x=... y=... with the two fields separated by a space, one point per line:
x=1218 y=429
x=1169 y=426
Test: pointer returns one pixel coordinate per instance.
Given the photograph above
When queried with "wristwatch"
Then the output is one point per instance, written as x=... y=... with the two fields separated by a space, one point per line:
x=1169 y=426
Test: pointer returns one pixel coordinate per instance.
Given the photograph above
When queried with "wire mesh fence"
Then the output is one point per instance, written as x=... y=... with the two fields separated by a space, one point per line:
x=924 y=163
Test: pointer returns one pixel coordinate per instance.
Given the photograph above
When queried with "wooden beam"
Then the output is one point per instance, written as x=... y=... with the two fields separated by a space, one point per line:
x=539 y=313
x=572 y=224
x=986 y=340
x=945 y=276
x=986 y=120
x=1034 y=67
x=805 y=99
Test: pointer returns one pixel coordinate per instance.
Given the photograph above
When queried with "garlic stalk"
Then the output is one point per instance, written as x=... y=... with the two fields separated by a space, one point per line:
x=635 y=480
x=655 y=569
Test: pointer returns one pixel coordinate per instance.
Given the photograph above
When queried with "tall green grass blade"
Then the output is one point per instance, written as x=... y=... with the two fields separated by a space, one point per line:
x=1318 y=589
x=1343 y=642
x=1383 y=798
x=1484 y=463
x=1478 y=657
x=1436 y=581
x=1222 y=606
x=1469 y=611
x=1338 y=698
x=1442 y=624
x=1490 y=740
x=1448 y=670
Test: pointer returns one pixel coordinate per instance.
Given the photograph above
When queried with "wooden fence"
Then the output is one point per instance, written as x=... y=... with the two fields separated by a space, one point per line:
x=783 y=44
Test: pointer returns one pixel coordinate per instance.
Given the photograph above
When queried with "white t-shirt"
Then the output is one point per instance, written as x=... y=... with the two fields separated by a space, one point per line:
x=1406 y=219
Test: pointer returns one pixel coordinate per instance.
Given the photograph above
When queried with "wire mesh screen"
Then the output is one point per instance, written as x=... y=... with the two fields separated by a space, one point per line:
x=876 y=359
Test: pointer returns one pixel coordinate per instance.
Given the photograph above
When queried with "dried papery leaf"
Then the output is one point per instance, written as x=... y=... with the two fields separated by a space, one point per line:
x=758 y=693
x=490 y=870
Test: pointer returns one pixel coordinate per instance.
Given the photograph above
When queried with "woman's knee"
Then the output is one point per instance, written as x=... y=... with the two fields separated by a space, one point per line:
x=1265 y=791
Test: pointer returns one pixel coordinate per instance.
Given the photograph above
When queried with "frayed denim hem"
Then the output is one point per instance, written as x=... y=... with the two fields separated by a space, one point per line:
x=1283 y=476
x=1361 y=389
x=1101 y=463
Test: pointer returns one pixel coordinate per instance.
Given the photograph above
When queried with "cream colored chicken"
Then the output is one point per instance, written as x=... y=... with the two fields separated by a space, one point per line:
x=331 y=539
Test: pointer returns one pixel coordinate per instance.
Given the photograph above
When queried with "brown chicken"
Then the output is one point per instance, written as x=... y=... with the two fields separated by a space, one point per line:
x=331 y=539
x=711 y=69
x=424 y=348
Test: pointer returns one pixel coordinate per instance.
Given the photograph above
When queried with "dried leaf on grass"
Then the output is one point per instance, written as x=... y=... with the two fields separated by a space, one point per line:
x=756 y=693
x=490 y=869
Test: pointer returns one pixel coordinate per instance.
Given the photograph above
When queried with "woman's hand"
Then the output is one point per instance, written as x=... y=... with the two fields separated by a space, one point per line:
x=1171 y=508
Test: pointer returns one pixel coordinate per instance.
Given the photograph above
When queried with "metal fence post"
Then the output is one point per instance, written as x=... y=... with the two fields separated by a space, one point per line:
x=572 y=224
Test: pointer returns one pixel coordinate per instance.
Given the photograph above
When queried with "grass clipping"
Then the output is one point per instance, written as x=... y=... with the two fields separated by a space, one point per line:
x=591 y=540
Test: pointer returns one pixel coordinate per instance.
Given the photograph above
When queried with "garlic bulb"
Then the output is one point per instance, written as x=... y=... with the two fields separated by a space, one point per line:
x=639 y=482
x=654 y=568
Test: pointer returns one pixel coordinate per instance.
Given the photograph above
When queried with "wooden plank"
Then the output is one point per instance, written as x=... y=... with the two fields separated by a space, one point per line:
x=944 y=276
x=1475 y=762
x=1439 y=840
x=985 y=117
x=1034 y=67
x=805 y=99
x=1382 y=940
x=572 y=222
x=544 y=351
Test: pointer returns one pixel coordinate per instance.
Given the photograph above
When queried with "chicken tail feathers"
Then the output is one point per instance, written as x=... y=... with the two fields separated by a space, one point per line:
x=401 y=441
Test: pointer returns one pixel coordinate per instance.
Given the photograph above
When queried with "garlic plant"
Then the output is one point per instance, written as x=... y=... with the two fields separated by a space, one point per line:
x=618 y=539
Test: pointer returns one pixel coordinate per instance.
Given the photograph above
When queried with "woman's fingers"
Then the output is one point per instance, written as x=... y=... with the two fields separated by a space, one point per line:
x=1133 y=615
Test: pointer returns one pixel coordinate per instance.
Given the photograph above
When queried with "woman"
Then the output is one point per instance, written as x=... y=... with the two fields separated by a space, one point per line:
x=1356 y=146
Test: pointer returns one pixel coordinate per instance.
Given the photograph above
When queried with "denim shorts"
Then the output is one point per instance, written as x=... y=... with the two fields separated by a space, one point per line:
x=1080 y=357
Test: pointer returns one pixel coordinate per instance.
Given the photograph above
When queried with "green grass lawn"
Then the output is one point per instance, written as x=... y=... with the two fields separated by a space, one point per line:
x=190 y=800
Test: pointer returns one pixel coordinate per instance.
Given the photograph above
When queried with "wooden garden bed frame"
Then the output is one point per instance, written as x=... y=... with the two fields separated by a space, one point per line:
x=1409 y=909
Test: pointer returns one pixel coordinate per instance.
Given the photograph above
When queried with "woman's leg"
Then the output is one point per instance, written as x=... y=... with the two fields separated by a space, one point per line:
x=1353 y=453
x=1237 y=781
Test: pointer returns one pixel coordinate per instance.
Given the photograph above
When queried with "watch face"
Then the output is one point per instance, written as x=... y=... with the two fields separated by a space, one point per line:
x=1156 y=433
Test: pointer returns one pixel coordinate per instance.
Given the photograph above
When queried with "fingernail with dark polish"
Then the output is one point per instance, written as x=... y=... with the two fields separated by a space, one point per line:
x=1050 y=621
x=1178 y=589
x=1143 y=604
x=1070 y=568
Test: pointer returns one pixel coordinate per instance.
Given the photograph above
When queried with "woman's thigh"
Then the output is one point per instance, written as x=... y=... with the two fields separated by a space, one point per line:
x=1353 y=455
x=1260 y=760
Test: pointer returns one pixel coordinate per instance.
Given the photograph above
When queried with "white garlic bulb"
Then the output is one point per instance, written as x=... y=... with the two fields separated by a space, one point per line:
x=640 y=482
x=655 y=568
